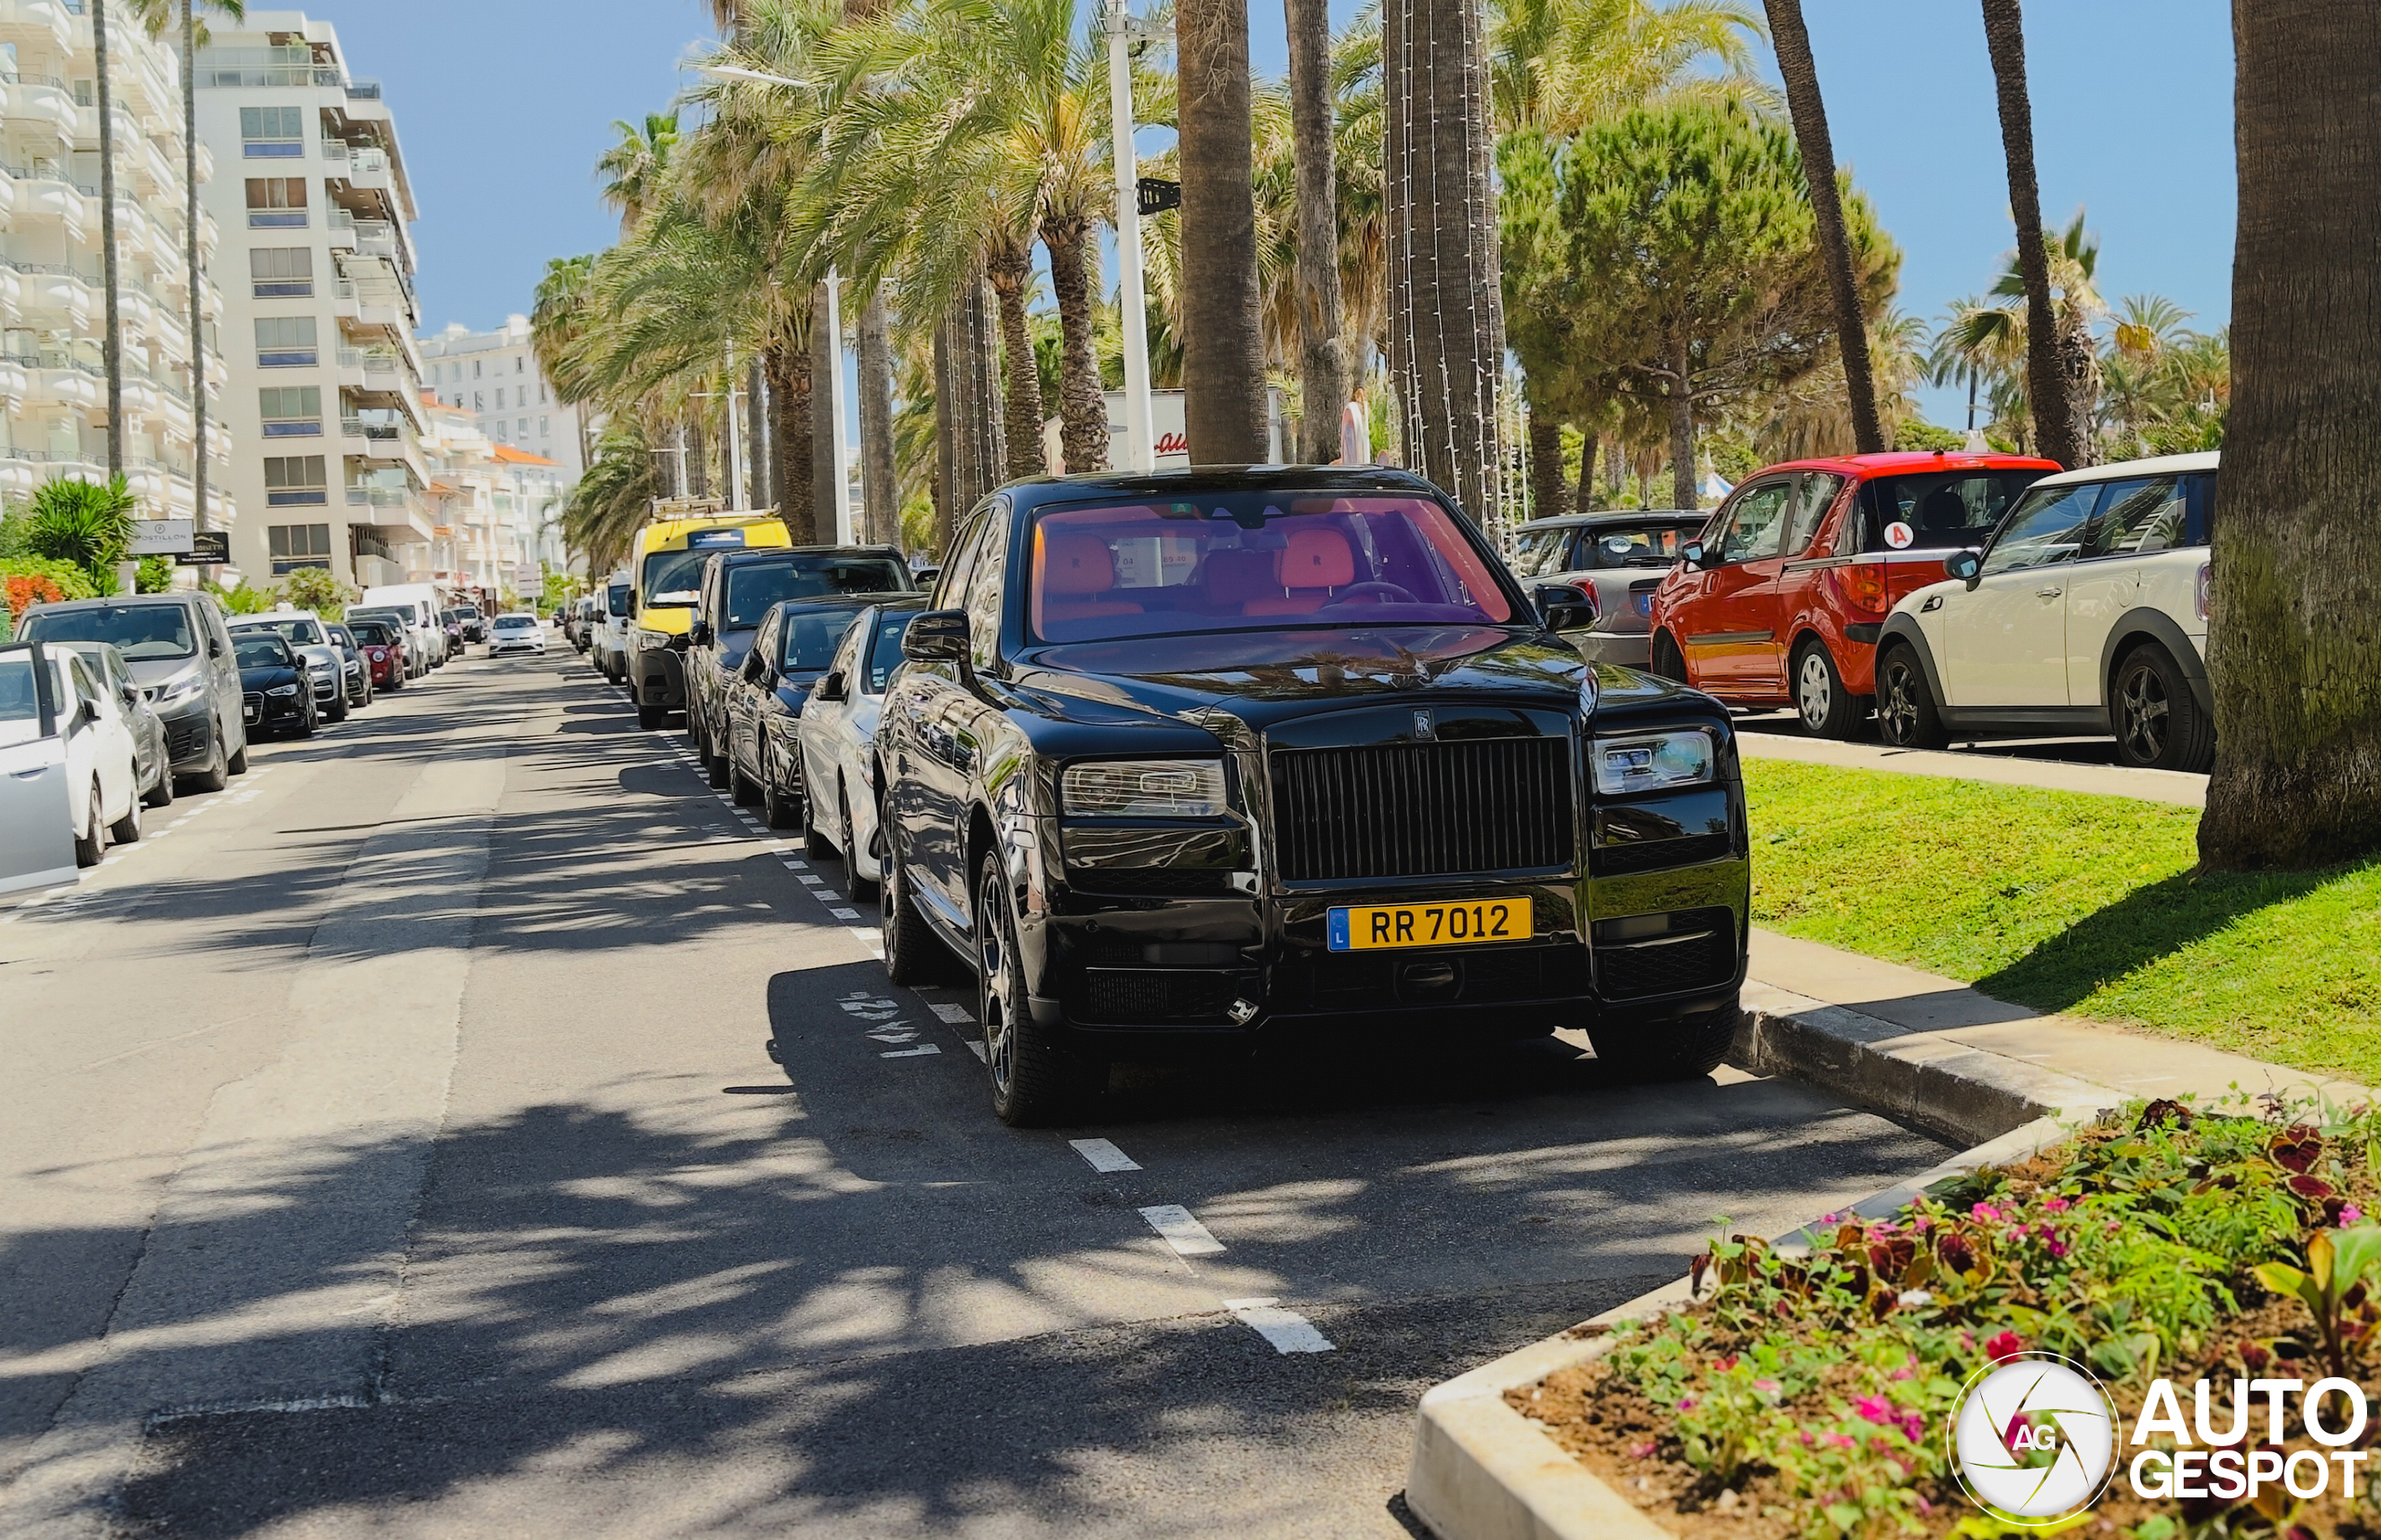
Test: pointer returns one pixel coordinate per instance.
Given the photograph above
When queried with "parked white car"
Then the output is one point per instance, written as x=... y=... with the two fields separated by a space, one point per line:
x=2085 y=613
x=516 y=632
x=839 y=768
x=88 y=722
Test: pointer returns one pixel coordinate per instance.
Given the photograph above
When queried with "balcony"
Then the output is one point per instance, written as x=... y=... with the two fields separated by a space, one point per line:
x=38 y=21
x=42 y=197
x=41 y=100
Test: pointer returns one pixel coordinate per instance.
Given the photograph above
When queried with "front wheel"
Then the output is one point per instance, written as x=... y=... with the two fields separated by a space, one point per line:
x=238 y=763
x=912 y=955
x=815 y=844
x=1664 y=660
x=2156 y=719
x=126 y=829
x=1827 y=709
x=1034 y=1080
x=215 y=777
x=339 y=708
x=650 y=717
x=161 y=794
x=855 y=885
x=779 y=808
x=1906 y=715
x=90 y=841
x=1686 y=1049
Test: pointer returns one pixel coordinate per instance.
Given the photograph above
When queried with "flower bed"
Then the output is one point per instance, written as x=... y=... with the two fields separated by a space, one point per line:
x=1807 y=1395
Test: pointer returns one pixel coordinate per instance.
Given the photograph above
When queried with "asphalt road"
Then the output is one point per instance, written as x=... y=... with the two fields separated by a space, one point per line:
x=395 y=1149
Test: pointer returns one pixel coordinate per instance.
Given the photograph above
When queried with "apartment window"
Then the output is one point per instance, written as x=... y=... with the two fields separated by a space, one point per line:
x=521 y=428
x=541 y=392
x=475 y=368
x=272 y=133
x=282 y=273
x=286 y=341
x=291 y=411
x=545 y=428
x=520 y=365
x=84 y=93
x=478 y=403
x=276 y=203
x=292 y=481
x=499 y=398
x=294 y=546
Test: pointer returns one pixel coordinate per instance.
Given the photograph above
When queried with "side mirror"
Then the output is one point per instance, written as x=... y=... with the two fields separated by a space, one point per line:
x=830 y=688
x=937 y=636
x=214 y=648
x=700 y=633
x=1966 y=565
x=1692 y=553
x=1568 y=606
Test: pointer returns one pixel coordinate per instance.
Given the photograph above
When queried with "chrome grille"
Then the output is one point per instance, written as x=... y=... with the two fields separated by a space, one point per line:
x=1422 y=809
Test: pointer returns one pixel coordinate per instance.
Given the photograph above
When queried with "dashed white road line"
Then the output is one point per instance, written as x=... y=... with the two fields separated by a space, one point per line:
x=1105 y=1156
x=951 y=1012
x=1286 y=1330
x=1178 y=1229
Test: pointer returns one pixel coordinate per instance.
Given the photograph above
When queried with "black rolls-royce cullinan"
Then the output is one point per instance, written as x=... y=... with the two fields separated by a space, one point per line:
x=1185 y=760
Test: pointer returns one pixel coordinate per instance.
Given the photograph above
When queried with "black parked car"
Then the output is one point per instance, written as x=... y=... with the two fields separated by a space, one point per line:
x=1187 y=761
x=474 y=624
x=759 y=752
x=734 y=594
x=275 y=694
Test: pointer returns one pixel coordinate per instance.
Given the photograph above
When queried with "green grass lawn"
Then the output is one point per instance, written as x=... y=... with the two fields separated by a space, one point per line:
x=2067 y=902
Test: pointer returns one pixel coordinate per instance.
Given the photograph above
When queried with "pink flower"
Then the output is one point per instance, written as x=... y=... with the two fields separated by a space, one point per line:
x=1686 y=1403
x=1913 y=1425
x=2059 y=1248
x=1807 y=1439
x=2007 y=1345
x=1986 y=1211
x=1908 y=1370
x=1925 y=1509
x=1766 y=1386
x=1875 y=1409
x=2056 y=1204
x=1842 y=1441
x=1724 y=1362
x=1921 y=1222
x=1642 y=1452
x=2350 y=1214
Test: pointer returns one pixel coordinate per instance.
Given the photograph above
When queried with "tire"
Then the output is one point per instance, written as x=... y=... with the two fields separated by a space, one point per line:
x=912 y=953
x=218 y=773
x=91 y=842
x=741 y=789
x=650 y=717
x=814 y=845
x=238 y=763
x=1686 y=1049
x=2155 y=717
x=161 y=794
x=340 y=707
x=1827 y=709
x=778 y=809
x=856 y=886
x=396 y=680
x=1664 y=661
x=1035 y=1083
x=307 y=728
x=1906 y=715
x=716 y=769
x=126 y=829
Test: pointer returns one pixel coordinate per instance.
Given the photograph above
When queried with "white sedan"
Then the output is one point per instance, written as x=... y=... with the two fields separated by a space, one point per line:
x=77 y=730
x=516 y=633
x=840 y=775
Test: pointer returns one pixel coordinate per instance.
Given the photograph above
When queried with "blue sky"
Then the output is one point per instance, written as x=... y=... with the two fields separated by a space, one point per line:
x=503 y=106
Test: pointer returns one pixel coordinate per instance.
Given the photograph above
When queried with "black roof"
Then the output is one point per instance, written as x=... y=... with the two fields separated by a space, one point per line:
x=852 y=600
x=755 y=553
x=1220 y=478
x=1620 y=515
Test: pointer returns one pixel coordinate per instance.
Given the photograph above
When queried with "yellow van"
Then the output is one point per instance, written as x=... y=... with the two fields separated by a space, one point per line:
x=666 y=568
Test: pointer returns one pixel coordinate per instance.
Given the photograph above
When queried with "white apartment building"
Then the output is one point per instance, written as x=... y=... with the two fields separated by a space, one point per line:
x=53 y=297
x=319 y=315
x=493 y=376
x=498 y=509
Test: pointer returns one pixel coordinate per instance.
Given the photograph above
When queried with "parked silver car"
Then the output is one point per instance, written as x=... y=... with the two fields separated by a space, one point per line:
x=1619 y=557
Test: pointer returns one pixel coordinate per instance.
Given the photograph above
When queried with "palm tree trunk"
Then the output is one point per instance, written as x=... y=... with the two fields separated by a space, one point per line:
x=1223 y=355
x=1809 y=109
x=789 y=371
x=1010 y=269
x=2292 y=648
x=1447 y=319
x=967 y=406
x=698 y=458
x=1589 y=470
x=197 y=290
x=828 y=502
x=1322 y=355
x=2004 y=36
x=1545 y=464
x=114 y=341
x=1682 y=415
x=756 y=402
x=947 y=430
x=879 y=499
x=1083 y=410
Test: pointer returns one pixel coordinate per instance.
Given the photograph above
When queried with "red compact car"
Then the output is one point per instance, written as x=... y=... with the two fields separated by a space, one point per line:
x=384 y=652
x=1782 y=599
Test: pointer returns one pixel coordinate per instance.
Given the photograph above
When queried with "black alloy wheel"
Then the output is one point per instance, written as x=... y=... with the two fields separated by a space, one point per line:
x=2157 y=719
x=815 y=842
x=716 y=768
x=912 y=955
x=1035 y=1083
x=217 y=774
x=1906 y=715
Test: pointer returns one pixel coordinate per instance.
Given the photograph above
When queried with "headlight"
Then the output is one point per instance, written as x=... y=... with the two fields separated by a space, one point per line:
x=647 y=640
x=283 y=690
x=1652 y=762
x=188 y=687
x=1129 y=788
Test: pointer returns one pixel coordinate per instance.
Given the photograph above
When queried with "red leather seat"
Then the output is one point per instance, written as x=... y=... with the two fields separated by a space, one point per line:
x=1315 y=561
x=1074 y=567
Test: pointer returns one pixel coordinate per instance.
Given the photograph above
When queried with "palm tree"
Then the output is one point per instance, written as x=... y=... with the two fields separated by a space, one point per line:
x=637 y=165
x=1991 y=340
x=1324 y=380
x=2057 y=428
x=1800 y=71
x=115 y=350
x=1223 y=366
x=609 y=501
x=1559 y=65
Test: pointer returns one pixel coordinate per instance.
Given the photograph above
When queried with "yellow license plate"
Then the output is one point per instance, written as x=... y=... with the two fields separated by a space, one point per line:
x=1374 y=927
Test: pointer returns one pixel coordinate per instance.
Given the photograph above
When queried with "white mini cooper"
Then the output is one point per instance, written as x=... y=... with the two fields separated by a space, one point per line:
x=2085 y=613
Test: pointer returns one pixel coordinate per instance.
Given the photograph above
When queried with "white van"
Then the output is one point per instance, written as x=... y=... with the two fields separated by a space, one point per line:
x=423 y=601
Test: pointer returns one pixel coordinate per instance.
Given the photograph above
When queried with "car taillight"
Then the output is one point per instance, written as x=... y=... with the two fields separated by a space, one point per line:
x=2202 y=589
x=1864 y=587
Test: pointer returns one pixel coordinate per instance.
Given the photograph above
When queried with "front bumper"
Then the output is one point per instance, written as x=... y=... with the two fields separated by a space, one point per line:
x=498 y=649
x=187 y=730
x=659 y=677
x=268 y=712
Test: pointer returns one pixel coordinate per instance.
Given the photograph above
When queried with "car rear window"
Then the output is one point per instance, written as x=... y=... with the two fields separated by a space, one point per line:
x=752 y=588
x=1234 y=560
x=1943 y=508
x=811 y=638
x=1540 y=552
x=1614 y=546
x=142 y=632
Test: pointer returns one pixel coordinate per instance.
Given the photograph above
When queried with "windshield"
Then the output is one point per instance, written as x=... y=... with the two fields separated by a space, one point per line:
x=1233 y=561
x=302 y=633
x=394 y=618
x=752 y=589
x=377 y=633
x=811 y=637
x=18 y=701
x=1612 y=546
x=515 y=622
x=1540 y=552
x=617 y=599
x=469 y=611
x=142 y=632
x=1943 y=509
x=884 y=652
x=262 y=650
x=672 y=577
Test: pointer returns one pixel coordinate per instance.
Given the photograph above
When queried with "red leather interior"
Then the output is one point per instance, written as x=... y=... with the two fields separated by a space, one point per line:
x=1074 y=567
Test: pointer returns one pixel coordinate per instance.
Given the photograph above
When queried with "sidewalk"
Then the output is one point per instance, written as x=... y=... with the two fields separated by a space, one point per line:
x=1961 y=1062
x=2110 y=780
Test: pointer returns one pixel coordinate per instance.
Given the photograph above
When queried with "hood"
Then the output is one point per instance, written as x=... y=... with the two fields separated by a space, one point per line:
x=327 y=657
x=1263 y=677
x=266 y=677
x=157 y=673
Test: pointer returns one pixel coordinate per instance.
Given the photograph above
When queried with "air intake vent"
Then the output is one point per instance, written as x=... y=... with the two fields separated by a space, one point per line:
x=1422 y=809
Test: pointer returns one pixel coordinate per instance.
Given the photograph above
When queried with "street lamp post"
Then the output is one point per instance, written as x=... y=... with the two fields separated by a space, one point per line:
x=1140 y=447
